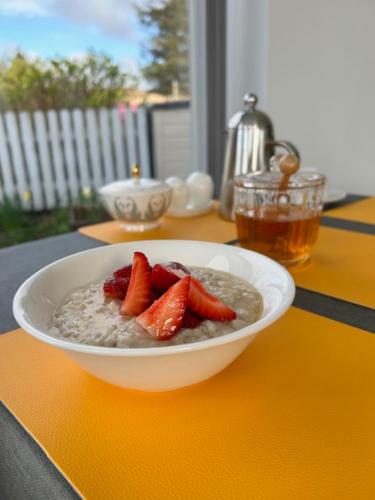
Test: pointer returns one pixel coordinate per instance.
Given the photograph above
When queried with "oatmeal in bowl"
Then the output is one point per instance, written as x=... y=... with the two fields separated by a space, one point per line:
x=207 y=303
x=134 y=318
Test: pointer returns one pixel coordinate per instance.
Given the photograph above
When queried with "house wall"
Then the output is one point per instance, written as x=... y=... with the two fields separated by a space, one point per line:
x=313 y=64
x=171 y=142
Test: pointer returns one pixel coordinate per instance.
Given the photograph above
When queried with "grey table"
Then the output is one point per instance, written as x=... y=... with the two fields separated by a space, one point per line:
x=25 y=470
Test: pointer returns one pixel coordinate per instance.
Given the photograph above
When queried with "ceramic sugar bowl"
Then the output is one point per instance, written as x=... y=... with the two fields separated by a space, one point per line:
x=137 y=203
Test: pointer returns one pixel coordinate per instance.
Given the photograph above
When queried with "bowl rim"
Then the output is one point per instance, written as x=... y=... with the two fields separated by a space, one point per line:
x=153 y=351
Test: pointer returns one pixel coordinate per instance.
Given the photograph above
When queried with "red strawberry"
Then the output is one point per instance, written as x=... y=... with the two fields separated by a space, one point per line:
x=114 y=289
x=138 y=296
x=178 y=268
x=206 y=305
x=123 y=272
x=117 y=286
x=164 y=317
x=165 y=275
x=155 y=295
x=191 y=320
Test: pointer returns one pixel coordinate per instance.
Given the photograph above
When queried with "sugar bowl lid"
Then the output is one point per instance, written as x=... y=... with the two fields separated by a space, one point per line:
x=135 y=185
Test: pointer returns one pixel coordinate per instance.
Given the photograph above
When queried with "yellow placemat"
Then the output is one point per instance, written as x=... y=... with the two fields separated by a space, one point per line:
x=291 y=418
x=360 y=211
x=207 y=227
x=342 y=265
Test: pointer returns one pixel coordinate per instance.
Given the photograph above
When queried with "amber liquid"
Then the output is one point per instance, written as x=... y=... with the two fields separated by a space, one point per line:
x=284 y=233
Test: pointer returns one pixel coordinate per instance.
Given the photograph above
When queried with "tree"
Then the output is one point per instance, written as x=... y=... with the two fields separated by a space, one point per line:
x=93 y=81
x=167 y=47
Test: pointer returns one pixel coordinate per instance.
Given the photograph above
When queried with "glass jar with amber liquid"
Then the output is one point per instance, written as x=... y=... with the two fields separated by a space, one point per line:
x=280 y=223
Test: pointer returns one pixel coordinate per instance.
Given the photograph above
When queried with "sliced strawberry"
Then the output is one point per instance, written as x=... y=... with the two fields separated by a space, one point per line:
x=178 y=268
x=167 y=274
x=113 y=289
x=123 y=272
x=117 y=286
x=191 y=320
x=164 y=317
x=206 y=305
x=155 y=295
x=138 y=296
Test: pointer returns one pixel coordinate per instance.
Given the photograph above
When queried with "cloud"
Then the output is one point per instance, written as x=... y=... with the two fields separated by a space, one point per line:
x=111 y=17
x=25 y=7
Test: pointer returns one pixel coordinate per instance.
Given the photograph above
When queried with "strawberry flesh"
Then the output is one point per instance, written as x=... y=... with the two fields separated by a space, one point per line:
x=164 y=317
x=191 y=320
x=114 y=288
x=167 y=274
x=155 y=295
x=117 y=286
x=138 y=295
x=206 y=305
x=123 y=272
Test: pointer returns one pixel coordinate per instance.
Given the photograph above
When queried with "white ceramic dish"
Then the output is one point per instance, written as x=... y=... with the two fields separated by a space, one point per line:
x=332 y=195
x=190 y=211
x=152 y=368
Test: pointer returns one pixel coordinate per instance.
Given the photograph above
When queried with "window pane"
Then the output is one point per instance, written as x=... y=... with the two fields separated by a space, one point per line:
x=87 y=89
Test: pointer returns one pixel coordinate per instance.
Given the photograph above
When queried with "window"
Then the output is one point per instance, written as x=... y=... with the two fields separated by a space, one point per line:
x=86 y=90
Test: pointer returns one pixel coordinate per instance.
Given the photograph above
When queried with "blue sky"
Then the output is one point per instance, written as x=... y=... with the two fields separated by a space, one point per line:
x=69 y=27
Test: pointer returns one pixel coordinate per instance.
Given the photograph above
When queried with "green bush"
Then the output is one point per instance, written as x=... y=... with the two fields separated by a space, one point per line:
x=32 y=84
x=17 y=226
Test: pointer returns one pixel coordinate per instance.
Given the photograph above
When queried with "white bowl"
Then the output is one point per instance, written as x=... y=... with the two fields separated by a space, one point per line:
x=152 y=368
x=137 y=203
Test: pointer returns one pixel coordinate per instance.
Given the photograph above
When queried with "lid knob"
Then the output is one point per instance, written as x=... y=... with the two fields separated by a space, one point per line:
x=250 y=100
x=136 y=173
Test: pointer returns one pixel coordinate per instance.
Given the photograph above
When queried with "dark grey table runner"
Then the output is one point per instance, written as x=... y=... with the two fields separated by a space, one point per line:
x=25 y=470
x=19 y=262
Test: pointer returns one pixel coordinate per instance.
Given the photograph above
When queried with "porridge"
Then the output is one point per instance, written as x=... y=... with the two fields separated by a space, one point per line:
x=87 y=316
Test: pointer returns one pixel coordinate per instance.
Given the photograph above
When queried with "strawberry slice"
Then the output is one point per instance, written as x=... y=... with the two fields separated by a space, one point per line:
x=123 y=272
x=191 y=320
x=206 y=305
x=138 y=296
x=167 y=274
x=155 y=295
x=115 y=288
x=164 y=317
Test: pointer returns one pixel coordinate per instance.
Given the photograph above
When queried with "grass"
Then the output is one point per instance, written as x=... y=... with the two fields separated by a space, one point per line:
x=18 y=226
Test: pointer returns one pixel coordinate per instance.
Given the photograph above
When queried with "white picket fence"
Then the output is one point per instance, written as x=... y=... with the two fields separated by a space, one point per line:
x=48 y=159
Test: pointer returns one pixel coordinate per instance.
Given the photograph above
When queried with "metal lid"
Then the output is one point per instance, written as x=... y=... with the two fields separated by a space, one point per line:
x=249 y=116
x=271 y=180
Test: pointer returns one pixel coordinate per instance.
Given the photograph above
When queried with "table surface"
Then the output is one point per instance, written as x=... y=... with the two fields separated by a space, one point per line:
x=29 y=469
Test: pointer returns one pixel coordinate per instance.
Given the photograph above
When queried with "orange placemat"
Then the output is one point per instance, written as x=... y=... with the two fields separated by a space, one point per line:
x=342 y=265
x=209 y=227
x=360 y=211
x=291 y=418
